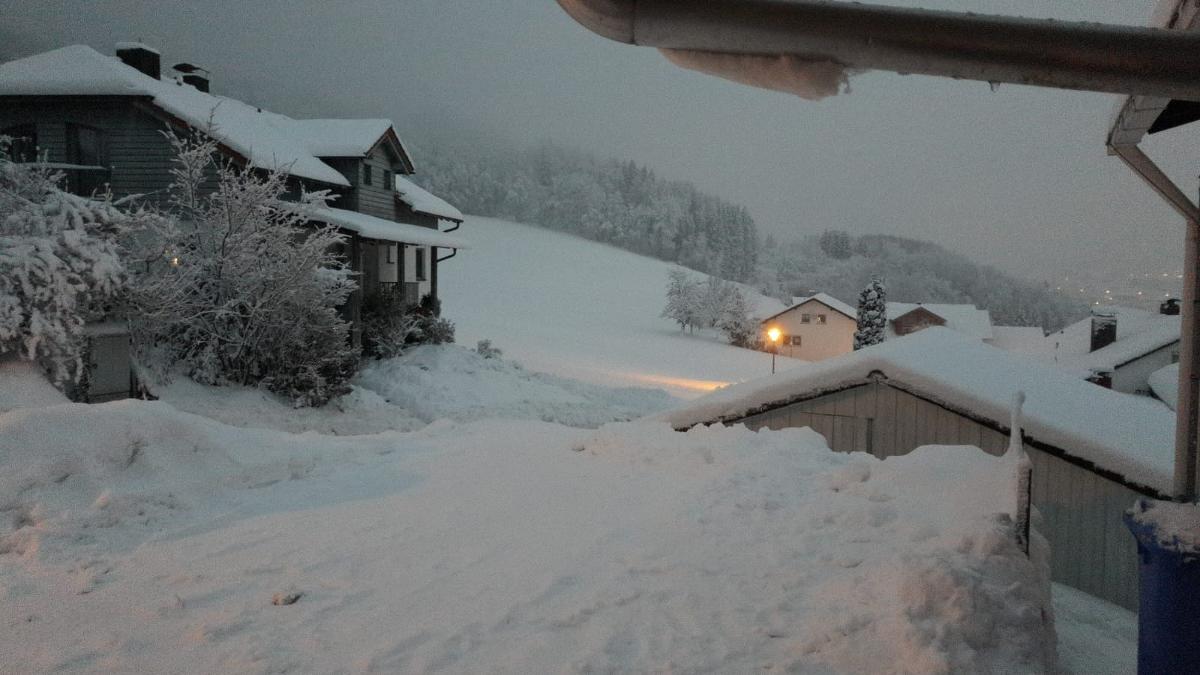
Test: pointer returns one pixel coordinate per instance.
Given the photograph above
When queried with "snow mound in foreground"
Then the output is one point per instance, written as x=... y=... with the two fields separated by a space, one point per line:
x=110 y=475
x=359 y=412
x=138 y=538
x=23 y=385
x=450 y=381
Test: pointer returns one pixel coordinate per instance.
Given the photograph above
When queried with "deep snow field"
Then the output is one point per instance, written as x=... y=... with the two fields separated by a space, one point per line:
x=137 y=537
x=585 y=310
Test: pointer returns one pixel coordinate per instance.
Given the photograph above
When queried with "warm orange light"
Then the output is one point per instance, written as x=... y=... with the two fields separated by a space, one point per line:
x=773 y=334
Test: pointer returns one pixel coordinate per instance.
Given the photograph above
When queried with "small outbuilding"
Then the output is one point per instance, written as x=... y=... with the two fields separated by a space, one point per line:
x=1094 y=451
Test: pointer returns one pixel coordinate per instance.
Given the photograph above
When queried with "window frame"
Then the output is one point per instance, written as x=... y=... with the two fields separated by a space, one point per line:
x=419 y=263
x=806 y=318
x=388 y=183
x=79 y=181
x=796 y=340
x=366 y=179
x=822 y=319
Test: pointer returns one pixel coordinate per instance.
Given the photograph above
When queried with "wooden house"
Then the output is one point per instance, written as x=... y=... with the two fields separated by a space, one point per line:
x=100 y=120
x=1094 y=451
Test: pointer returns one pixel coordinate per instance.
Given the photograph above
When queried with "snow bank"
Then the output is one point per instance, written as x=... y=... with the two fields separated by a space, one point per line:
x=1095 y=637
x=790 y=74
x=23 y=385
x=449 y=381
x=143 y=539
x=362 y=411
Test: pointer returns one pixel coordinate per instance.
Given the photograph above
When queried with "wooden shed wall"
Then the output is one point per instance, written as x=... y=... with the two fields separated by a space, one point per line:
x=1080 y=511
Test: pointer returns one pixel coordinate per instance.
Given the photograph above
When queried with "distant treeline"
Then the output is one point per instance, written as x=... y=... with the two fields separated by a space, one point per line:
x=915 y=271
x=607 y=200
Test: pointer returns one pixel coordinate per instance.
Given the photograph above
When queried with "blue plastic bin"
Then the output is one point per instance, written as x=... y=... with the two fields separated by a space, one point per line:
x=1169 y=606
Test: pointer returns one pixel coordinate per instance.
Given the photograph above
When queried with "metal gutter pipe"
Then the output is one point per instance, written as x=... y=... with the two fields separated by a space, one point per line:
x=999 y=49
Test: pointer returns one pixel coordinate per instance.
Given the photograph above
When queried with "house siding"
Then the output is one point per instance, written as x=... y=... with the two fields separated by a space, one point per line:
x=139 y=155
x=1079 y=510
x=817 y=341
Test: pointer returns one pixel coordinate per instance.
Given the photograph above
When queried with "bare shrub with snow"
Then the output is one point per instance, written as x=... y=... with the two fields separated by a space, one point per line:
x=60 y=265
x=238 y=287
x=711 y=303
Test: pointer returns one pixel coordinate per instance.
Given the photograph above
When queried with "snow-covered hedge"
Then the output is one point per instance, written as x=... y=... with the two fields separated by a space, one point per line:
x=237 y=287
x=60 y=265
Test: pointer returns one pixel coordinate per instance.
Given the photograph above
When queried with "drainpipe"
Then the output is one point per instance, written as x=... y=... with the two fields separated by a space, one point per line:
x=1065 y=55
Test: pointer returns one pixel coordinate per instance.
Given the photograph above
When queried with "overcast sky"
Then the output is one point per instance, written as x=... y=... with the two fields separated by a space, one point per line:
x=1017 y=177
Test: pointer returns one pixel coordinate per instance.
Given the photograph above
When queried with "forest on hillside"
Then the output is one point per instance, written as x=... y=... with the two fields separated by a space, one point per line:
x=606 y=200
x=629 y=206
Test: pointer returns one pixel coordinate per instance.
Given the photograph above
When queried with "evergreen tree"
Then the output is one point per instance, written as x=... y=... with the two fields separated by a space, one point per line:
x=872 y=315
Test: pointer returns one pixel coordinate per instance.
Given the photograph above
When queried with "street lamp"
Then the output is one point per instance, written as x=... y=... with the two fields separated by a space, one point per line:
x=773 y=336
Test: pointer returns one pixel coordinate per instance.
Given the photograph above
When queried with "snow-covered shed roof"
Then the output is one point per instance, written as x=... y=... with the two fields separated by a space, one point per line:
x=423 y=201
x=823 y=298
x=387 y=230
x=1164 y=382
x=1023 y=339
x=966 y=319
x=267 y=140
x=1128 y=435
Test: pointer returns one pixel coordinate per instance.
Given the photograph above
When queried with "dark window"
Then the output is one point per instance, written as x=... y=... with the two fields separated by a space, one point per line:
x=806 y=318
x=85 y=147
x=391 y=253
x=796 y=340
x=366 y=174
x=820 y=318
x=420 y=264
x=23 y=142
x=387 y=179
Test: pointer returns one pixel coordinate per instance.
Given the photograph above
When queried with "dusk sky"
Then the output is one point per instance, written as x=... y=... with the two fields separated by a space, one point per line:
x=1018 y=177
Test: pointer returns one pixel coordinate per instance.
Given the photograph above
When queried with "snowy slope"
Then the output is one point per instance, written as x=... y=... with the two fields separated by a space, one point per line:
x=581 y=309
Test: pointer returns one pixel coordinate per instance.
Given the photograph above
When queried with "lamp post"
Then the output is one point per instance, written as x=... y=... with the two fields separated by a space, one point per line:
x=773 y=335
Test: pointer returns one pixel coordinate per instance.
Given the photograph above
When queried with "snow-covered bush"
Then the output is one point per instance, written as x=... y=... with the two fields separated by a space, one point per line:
x=739 y=327
x=237 y=286
x=872 y=315
x=683 y=299
x=485 y=349
x=60 y=265
x=390 y=325
x=711 y=303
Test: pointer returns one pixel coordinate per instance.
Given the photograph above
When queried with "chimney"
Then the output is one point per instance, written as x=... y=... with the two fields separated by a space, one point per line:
x=1102 y=377
x=194 y=75
x=140 y=57
x=196 y=80
x=1170 y=307
x=1104 y=328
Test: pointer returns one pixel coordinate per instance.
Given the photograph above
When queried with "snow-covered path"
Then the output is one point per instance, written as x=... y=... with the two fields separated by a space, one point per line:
x=142 y=539
x=580 y=309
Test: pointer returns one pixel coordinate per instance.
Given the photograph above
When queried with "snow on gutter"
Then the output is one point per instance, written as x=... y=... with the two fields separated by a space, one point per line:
x=371 y=227
x=788 y=40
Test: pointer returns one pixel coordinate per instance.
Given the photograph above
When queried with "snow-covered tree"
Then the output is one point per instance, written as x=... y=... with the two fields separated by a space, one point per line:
x=238 y=287
x=60 y=265
x=739 y=328
x=836 y=244
x=683 y=300
x=872 y=315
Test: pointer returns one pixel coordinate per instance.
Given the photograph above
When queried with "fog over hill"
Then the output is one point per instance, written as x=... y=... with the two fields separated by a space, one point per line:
x=627 y=205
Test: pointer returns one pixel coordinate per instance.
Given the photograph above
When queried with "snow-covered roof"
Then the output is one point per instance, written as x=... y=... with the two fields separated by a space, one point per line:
x=966 y=319
x=823 y=298
x=1164 y=382
x=1139 y=332
x=387 y=230
x=1129 y=435
x=267 y=140
x=339 y=138
x=122 y=46
x=1023 y=339
x=423 y=201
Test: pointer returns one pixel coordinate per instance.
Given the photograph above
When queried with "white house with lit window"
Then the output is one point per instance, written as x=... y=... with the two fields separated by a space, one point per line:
x=814 y=328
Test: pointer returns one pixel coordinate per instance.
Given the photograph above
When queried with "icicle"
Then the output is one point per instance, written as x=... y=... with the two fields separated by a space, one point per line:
x=1022 y=470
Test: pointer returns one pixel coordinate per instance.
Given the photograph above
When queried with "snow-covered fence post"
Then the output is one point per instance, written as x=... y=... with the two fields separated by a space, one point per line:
x=1022 y=473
